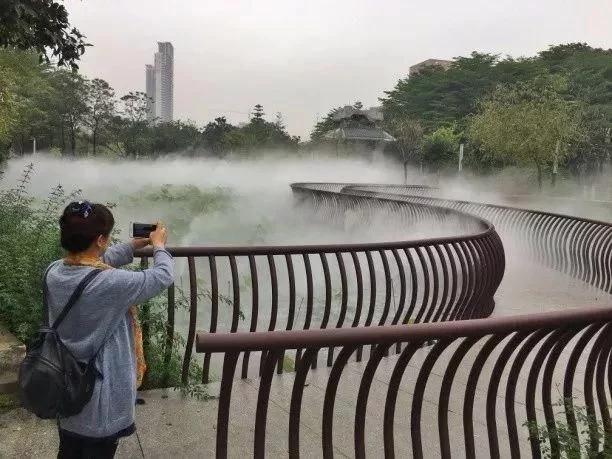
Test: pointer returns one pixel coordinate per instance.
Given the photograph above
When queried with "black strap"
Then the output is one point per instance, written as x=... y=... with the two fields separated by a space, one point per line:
x=73 y=298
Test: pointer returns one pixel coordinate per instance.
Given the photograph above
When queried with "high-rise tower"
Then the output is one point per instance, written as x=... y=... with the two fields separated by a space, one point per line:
x=150 y=91
x=160 y=83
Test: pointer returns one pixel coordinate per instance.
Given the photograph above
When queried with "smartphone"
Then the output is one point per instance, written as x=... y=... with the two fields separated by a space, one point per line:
x=143 y=229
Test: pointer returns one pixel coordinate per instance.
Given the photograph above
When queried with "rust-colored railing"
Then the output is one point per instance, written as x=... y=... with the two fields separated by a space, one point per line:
x=478 y=379
x=480 y=390
x=579 y=247
x=341 y=285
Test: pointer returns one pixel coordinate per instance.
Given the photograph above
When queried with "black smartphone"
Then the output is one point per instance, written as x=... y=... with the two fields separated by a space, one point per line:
x=143 y=229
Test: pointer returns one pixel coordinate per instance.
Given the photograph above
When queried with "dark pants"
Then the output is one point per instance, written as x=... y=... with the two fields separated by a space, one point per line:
x=72 y=447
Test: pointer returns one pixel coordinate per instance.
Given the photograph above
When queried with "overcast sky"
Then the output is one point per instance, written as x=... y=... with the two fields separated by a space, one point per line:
x=301 y=58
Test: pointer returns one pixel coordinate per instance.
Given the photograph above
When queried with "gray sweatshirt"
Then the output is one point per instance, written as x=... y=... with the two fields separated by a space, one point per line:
x=101 y=317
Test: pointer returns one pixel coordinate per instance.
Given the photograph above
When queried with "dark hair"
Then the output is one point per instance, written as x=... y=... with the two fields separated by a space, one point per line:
x=82 y=222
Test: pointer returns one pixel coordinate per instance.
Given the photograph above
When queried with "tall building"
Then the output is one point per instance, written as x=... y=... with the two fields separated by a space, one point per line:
x=160 y=83
x=150 y=91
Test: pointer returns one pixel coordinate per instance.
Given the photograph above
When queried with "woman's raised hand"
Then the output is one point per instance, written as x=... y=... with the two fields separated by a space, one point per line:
x=159 y=237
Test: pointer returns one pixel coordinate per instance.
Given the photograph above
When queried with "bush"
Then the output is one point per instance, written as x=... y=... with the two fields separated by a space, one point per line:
x=29 y=241
x=570 y=443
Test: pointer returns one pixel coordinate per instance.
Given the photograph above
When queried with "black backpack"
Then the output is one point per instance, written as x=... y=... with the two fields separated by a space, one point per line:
x=52 y=382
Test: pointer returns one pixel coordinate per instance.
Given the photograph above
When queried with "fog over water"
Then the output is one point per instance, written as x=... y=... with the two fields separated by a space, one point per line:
x=250 y=200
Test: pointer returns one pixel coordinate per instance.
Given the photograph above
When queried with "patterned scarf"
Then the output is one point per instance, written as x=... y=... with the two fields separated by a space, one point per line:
x=141 y=366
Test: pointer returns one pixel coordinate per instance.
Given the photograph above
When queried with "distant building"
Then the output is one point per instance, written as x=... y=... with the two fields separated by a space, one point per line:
x=429 y=63
x=150 y=91
x=160 y=83
x=359 y=126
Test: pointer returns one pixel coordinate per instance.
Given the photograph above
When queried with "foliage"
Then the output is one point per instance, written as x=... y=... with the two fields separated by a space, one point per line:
x=101 y=105
x=215 y=135
x=569 y=443
x=527 y=123
x=64 y=110
x=220 y=137
x=180 y=203
x=437 y=97
x=577 y=82
x=441 y=147
x=409 y=136
x=29 y=241
x=72 y=110
x=41 y=25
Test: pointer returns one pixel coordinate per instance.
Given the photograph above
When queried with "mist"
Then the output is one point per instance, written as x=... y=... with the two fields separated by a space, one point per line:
x=251 y=201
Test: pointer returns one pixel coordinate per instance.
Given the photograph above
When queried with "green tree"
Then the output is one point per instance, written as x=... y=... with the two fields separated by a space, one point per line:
x=174 y=137
x=28 y=100
x=101 y=104
x=133 y=130
x=71 y=89
x=214 y=135
x=409 y=136
x=42 y=26
x=258 y=113
x=440 y=148
x=438 y=97
x=528 y=123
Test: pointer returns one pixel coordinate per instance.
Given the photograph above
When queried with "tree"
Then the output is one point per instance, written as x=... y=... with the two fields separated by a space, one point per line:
x=440 y=148
x=29 y=98
x=358 y=105
x=258 y=113
x=215 y=135
x=101 y=104
x=529 y=123
x=442 y=98
x=409 y=136
x=280 y=123
x=42 y=26
x=175 y=136
x=135 y=106
x=134 y=131
x=72 y=106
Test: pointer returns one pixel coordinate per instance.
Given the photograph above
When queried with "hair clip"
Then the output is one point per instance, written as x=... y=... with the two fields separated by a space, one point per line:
x=81 y=208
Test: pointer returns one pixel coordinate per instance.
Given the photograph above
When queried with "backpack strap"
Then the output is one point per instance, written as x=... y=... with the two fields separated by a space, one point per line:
x=75 y=296
x=47 y=319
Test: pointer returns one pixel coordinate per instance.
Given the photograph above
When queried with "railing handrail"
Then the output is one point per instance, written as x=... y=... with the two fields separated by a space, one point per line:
x=240 y=250
x=319 y=338
x=492 y=206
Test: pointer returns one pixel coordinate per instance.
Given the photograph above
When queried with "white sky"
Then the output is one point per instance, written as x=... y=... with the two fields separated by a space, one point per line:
x=301 y=58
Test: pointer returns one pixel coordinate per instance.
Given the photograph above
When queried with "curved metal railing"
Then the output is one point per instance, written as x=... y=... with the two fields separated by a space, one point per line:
x=341 y=285
x=488 y=384
x=480 y=383
x=579 y=247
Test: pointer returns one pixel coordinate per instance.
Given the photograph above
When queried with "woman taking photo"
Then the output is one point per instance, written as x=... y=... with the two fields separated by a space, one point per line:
x=103 y=320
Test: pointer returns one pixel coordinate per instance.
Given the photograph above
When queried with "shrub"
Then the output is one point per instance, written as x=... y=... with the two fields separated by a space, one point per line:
x=29 y=241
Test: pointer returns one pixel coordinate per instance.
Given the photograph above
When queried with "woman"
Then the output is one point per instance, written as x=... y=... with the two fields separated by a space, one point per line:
x=103 y=318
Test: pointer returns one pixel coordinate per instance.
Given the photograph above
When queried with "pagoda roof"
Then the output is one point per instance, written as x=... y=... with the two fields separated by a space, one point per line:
x=348 y=111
